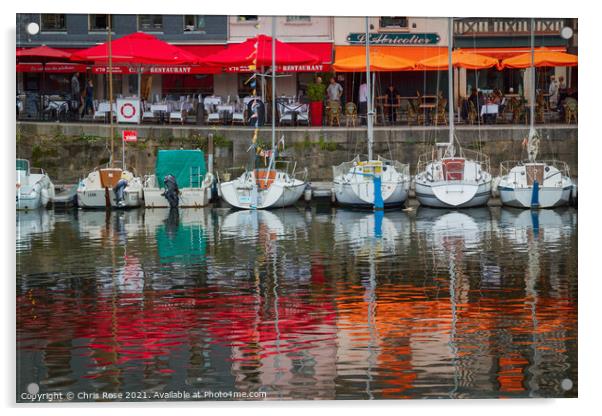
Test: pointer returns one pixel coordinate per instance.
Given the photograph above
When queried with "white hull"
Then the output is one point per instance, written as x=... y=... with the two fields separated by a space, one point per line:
x=516 y=187
x=91 y=194
x=548 y=197
x=354 y=182
x=189 y=197
x=363 y=194
x=448 y=194
x=278 y=195
x=34 y=190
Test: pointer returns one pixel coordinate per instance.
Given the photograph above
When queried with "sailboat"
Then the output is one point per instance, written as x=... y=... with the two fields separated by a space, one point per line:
x=270 y=186
x=534 y=184
x=449 y=179
x=34 y=190
x=376 y=183
x=110 y=186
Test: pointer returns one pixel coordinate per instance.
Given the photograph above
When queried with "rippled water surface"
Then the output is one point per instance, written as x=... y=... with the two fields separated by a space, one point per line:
x=316 y=303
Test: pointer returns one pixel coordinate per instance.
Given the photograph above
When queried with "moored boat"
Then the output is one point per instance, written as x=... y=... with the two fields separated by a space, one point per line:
x=193 y=182
x=34 y=190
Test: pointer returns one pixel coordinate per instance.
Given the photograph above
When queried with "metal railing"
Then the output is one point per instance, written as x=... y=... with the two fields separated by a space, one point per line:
x=507 y=165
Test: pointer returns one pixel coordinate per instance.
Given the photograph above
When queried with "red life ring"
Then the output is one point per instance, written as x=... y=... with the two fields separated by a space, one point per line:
x=131 y=113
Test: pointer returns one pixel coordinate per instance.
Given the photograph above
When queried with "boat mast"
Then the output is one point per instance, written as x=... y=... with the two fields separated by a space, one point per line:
x=273 y=83
x=369 y=113
x=111 y=127
x=532 y=108
x=450 y=80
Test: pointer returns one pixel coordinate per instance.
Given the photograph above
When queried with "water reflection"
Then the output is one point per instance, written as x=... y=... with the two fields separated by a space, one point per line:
x=300 y=304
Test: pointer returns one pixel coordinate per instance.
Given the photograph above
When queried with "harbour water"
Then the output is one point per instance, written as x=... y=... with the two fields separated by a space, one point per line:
x=299 y=303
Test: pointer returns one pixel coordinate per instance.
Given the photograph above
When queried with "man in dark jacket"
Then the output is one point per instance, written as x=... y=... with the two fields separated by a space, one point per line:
x=171 y=191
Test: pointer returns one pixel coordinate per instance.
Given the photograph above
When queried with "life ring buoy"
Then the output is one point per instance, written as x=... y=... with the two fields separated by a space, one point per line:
x=131 y=112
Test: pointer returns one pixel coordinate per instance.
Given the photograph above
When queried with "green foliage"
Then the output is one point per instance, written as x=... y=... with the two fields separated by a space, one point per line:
x=221 y=141
x=328 y=146
x=316 y=92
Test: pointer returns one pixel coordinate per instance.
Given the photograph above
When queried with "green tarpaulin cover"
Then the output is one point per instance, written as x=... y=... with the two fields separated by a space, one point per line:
x=188 y=166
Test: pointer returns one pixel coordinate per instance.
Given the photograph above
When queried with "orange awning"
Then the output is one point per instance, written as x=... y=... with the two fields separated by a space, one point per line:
x=503 y=53
x=404 y=53
x=379 y=62
x=541 y=58
x=462 y=59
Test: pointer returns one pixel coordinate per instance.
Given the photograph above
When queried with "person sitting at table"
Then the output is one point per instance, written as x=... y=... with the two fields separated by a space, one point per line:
x=465 y=106
x=391 y=95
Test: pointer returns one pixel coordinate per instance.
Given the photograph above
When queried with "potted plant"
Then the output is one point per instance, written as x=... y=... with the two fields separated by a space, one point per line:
x=316 y=92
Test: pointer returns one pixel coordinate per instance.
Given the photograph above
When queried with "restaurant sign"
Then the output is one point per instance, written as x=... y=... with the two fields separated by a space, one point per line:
x=401 y=39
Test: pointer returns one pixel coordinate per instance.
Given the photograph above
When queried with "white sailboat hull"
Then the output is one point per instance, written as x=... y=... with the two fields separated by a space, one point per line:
x=240 y=193
x=448 y=194
x=362 y=194
x=516 y=188
x=354 y=182
x=548 y=197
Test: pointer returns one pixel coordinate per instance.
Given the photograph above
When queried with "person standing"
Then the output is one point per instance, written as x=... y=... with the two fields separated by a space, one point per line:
x=89 y=98
x=75 y=93
x=392 y=95
x=363 y=94
x=553 y=91
x=334 y=90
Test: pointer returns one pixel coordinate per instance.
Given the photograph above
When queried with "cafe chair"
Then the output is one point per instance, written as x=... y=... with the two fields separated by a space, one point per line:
x=238 y=116
x=412 y=112
x=440 y=116
x=350 y=114
x=147 y=114
x=473 y=115
x=212 y=113
x=570 y=112
x=334 y=113
x=303 y=114
x=178 y=114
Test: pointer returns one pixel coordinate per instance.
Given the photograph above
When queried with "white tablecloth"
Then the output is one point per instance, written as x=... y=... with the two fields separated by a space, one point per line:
x=489 y=109
x=227 y=108
x=104 y=107
x=155 y=108
x=212 y=100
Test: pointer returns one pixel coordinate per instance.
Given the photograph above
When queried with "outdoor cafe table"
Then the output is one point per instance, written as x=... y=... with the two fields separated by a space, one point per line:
x=491 y=110
x=103 y=107
x=225 y=112
x=293 y=109
x=162 y=109
x=426 y=109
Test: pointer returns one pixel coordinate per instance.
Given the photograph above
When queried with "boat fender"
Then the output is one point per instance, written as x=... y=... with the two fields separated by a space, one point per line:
x=45 y=197
x=429 y=176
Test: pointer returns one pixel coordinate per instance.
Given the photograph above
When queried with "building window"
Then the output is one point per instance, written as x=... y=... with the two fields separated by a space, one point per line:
x=393 y=22
x=194 y=23
x=98 y=22
x=53 y=22
x=247 y=18
x=295 y=19
x=150 y=23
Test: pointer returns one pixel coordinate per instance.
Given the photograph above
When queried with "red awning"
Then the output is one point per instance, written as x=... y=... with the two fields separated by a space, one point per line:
x=42 y=54
x=322 y=50
x=137 y=49
x=57 y=68
x=258 y=51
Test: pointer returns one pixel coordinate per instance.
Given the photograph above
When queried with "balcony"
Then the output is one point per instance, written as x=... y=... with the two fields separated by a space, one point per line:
x=477 y=26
